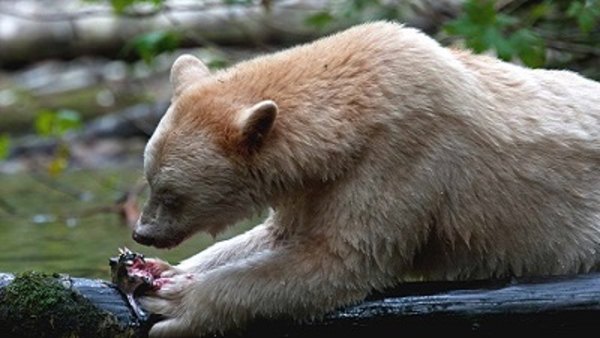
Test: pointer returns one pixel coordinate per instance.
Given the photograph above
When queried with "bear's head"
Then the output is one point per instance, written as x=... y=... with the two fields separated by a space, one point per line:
x=198 y=161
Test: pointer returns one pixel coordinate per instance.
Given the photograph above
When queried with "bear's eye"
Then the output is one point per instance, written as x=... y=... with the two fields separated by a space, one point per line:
x=170 y=200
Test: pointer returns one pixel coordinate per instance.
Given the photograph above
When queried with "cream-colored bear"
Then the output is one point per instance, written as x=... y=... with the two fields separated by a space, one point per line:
x=383 y=157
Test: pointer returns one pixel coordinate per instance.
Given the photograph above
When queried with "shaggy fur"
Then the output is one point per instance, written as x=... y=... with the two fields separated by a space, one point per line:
x=383 y=157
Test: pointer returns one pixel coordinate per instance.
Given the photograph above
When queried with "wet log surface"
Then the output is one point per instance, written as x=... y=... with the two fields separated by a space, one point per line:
x=564 y=305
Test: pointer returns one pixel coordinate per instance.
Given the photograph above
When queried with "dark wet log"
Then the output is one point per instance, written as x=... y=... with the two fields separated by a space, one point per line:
x=564 y=305
x=546 y=306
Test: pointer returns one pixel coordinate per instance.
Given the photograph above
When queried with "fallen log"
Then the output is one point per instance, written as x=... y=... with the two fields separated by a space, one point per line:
x=563 y=305
x=38 y=305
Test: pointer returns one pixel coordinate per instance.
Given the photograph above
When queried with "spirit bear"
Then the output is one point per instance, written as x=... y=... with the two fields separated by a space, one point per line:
x=383 y=157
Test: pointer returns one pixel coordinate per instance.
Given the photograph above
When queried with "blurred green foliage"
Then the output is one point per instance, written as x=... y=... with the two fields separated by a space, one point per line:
x=526 y=31
x=353 y=11
x=121 y=6
x=149 y=45
x=514 y=30
x=55 y=124
x=483 y=28
x=4 y=146
x=586 y=13
x=320 y=19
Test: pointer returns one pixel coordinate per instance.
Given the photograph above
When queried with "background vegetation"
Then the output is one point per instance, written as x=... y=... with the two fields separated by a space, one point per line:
x=68 y=191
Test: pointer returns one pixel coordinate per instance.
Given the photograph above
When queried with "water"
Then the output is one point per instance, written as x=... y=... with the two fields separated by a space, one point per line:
x=61 y=225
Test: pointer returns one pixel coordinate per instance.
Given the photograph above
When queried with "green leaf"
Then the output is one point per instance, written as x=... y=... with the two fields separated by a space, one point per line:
x=481 y=27
x=574 y=9
x=540 y=10
x=67 y=120
x=319 y=20
x=60 y=160
x=463 y=27
x=57 y=166
x=148 y=46
x=529 y=47
x=586 y=21
x=217 y=63
x=503 y=21
x=503 y=47
x=4 y=146
x=587 y=14
x=481 y=12
x=120 y=6
x=56 y=123
x=44 y=122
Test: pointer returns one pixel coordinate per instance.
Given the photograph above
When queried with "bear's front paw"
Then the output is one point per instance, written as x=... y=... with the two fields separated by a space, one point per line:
x=167 y=299
x=160 y=269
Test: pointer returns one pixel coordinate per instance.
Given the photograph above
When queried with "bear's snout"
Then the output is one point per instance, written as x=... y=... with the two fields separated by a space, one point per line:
x=142 y=239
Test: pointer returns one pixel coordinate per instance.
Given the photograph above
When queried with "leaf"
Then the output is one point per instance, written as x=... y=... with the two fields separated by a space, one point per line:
x=217 y=63
x=540 y=10
x=60 y=161
x=481 y=27
x=574 y=9
x=463 y=27
x=503 y=47
x=149 y=45
x=319 y=20
x=56 y=123
x=586 y=21
x=4 y=146
x=44 y=122
x=481 y=12
x=120 y=6
x=67 y=120
x=587 y=14
x=529 y=47
x=57 y=166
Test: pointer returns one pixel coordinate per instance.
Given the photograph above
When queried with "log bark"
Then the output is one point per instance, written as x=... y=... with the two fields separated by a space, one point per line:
x=553 y=305
x=37 y=32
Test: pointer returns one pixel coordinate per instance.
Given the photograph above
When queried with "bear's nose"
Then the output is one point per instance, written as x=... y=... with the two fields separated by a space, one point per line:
x=144 y=240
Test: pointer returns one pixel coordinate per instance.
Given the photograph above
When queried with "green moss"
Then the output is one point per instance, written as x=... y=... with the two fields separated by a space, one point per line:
x=39 y=305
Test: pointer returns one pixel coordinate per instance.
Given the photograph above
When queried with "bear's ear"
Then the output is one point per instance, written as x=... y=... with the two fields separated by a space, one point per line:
x=186 y=70
x=256 y=122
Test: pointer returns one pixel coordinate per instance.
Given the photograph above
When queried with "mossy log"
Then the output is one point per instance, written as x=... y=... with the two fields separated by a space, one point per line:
x=563 y=305
x=38 y=305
